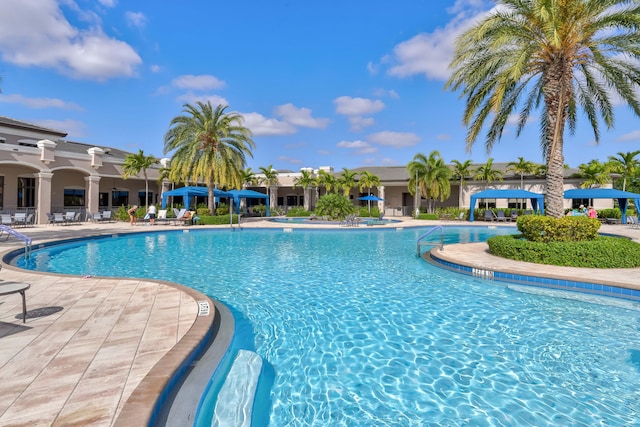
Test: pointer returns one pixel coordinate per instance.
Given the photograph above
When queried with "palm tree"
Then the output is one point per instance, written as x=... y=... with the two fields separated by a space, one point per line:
x=557 y=55
x=431 y=176
x=136 y=163
x=270 y=179
x=249 y=178
x=625 y=164
x=347 y=180
x=326 y=180
x=367 y=180
x=461 y=170
x=522 y=167
x=210 y=145
x=594 y=173
x=305 y=181
x=488 y=174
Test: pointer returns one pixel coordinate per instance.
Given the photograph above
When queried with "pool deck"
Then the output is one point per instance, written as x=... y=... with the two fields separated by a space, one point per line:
x=98 y=351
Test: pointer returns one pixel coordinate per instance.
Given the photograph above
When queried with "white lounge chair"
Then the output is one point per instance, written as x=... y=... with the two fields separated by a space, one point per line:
x=20 y=218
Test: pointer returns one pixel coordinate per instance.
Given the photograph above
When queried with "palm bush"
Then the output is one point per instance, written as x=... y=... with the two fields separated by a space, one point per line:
x=334 y=206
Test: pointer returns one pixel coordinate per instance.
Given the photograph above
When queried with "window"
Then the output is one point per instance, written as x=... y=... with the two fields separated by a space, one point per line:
x=280 y=201
x=576 y=203
x=292 y=200
x=26 y=192
x=142 y=200
x=103 y=200
x=73 y=197
x=1 y=192
x=119 y=198
x=517 y=203
x=487 y=203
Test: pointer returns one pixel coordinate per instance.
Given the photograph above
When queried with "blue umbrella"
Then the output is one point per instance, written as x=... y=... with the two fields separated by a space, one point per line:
x=371 y=198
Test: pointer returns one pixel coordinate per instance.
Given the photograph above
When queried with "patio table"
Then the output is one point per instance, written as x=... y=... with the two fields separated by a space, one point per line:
x=7 y=288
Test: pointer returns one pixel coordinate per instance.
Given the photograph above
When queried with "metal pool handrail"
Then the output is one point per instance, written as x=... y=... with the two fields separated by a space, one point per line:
x=435 y=228
x=26 y=239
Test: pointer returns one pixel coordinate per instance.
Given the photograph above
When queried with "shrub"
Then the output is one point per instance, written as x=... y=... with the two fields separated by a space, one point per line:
x=298 y=211
x=363 y=211
x=222 y=209
x=334 y=206
x=601 y=252
x=216 y=220
x=259 y=209
x=537 y=228
x=610 y=213
x=428 y=216
x=202 y=211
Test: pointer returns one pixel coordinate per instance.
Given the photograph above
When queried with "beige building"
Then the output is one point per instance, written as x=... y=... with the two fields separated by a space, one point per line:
x=41 y=173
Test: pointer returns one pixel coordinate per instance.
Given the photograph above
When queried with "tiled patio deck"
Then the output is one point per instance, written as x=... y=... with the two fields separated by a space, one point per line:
x=89 y=342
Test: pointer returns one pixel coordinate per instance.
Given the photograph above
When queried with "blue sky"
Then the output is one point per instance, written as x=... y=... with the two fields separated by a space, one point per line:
x=320 y=83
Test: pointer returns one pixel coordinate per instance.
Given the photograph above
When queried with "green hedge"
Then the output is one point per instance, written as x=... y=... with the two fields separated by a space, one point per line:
x=601 y=252
x=537 y=228
x=215 y=220
x=298 y=211
x=428 y=216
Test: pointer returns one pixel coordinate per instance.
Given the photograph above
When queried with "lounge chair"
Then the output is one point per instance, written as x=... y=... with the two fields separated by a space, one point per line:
x=514 y=216
x=500 y=217
x=162 y=216
x=29 y=220
x=70 y=217
x=58 y=218
x=460 y=217
x=489 y=215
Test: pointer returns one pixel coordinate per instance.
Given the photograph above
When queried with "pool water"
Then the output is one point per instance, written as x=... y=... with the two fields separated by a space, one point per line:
x=358 y=331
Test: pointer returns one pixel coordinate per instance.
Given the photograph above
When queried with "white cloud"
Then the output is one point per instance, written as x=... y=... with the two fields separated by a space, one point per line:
x=360 y=147
x=39 y=102
x=384 y=92
x=631 y=136
x=35 y=33
x=107 y=3
x=192 y=98
x=357 y=106
x=299 y=116
x=155 y=68
x=201 y=82
x=431 y=53
x=262 y=126
x=358 y=123
x=290 y=160
x=135 y=19
x=372 y=68
x=394 y=139
x=443 y=137
x=73 y=128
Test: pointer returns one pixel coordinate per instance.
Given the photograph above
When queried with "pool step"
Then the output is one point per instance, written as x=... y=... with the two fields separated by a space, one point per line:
x=234 y=405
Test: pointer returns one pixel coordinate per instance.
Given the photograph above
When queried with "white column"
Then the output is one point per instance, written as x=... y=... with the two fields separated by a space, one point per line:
x=381 y=202
x=44 y=197
x=92 y=189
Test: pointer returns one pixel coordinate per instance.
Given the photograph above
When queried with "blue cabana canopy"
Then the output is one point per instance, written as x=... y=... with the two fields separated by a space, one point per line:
x=247 y=194
x=605 y=193
x=188 y=192
x=537 y=200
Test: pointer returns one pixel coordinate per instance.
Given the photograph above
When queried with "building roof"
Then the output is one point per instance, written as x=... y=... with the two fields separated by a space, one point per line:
x=18 y=124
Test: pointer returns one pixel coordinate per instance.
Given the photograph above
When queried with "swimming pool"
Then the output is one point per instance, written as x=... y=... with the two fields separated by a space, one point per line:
x=308 y=220
x=358 y=331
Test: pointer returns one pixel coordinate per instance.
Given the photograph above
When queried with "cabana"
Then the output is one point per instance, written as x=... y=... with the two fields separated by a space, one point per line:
x=247 y=194
x=605 y=193
x=537 y=200
x=187 y=192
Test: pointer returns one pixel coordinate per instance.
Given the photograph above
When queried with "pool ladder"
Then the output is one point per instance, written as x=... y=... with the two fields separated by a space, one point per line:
x=431 y=243
x=12 y=232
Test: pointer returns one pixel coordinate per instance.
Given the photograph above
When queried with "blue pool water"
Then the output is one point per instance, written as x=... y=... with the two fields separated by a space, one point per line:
x=306 y=220
x=357 y=331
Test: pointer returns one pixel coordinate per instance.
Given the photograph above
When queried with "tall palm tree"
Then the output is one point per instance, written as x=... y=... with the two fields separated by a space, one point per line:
x=210 y=145
x=347 y=180
x=522 y=167
x=461 y=170
x=326 y=180
x=559 y=55
x=594 y=173
x=367 y=180
x=430 y=175
x=487 y=174
x=136 y=163
x=270 y=180
x=625 y=164
x=249 y=178
x=305 y=181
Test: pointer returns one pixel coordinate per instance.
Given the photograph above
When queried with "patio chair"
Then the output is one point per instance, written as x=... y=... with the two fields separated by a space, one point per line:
x=460 y=217
x=29 y=220
x=489 y=215
x=58 y=218
x=514 y=216
x=500 y=217
x=70 y=217
x=20 y=218
x=6 y=220
x=106 y=216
